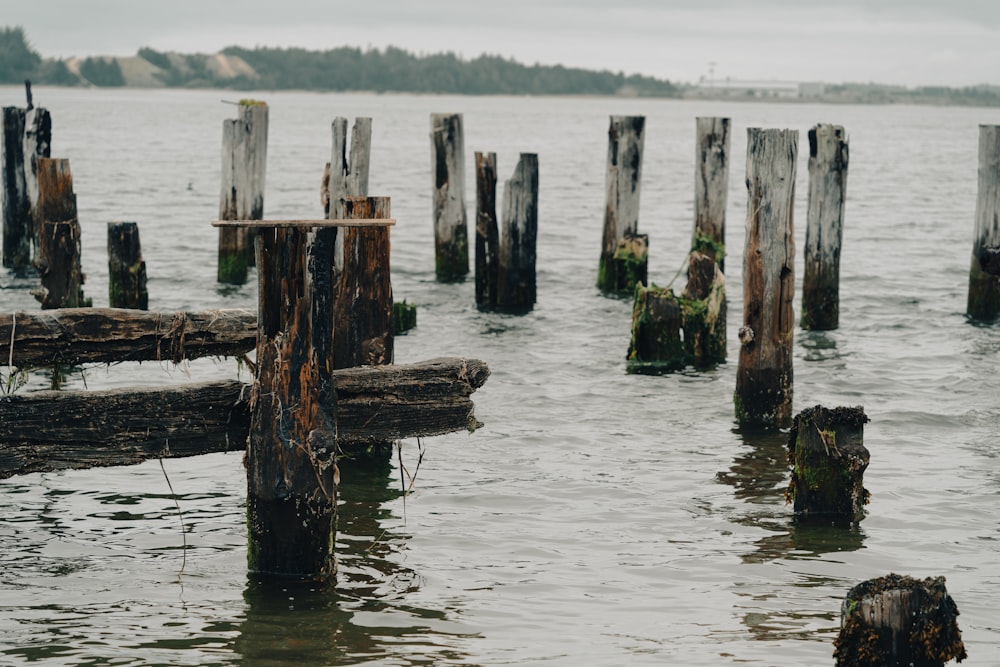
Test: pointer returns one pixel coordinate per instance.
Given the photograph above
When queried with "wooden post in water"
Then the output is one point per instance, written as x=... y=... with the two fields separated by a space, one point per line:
x=711 y=187
x=656 y=345
x=244 y=163
x=26 y=135
x=487 y=231
x=516 y=285
x=58 y=260
x=126 y=268
x=37 y=144
x=451 y=234
x=984 y=286
x=703 y=308
x=623 y=263
x=828 y=458
x=763 y=394
x=899 y=621
x=828 y=157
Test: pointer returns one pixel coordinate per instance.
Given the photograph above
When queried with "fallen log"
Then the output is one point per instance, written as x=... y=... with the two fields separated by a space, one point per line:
x=62 y=430
x=106 y=335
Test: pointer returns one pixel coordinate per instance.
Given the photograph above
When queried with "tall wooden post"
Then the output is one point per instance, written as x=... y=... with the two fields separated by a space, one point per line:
x=244 y=163
x=58 y=262
x=17 y=224
x=126 y=268
x=623 y=263
x=487 y=231
x=763 y=394
x=711 y=187
x=37 y=144
x=516 y=286
x=828 y=156
x=451 y=234
x=984 y=287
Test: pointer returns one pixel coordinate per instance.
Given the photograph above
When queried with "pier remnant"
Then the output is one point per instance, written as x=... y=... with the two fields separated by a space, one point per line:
x=711 y=187
x=487 y=231
x=451 y=234
x=58 y=261
x=516 y=283
x=126 y=268
x=984 y=284
x=25 y=136
x=624 y=252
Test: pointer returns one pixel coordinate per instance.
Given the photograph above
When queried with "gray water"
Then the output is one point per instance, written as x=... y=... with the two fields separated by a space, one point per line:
x=599 y=518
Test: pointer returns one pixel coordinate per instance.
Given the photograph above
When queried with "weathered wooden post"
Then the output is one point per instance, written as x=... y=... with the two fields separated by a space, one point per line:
x=656 y=345
x=624 y=261
x=984 y=287
x=126 y=268
x=828 y=458
x=58 y=262
x=516 y=284
x=451 y=234
x=711 y=187
x=899 y=621
x=828 y=157
x=763 y=394
x=487 y=231
x=404 y=317
x=703 y=309
x=244 y=163
x=26 y=135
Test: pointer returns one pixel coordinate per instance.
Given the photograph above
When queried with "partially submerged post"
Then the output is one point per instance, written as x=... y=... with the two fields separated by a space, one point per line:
x=126 y=268
x=623 y=263
x=487 y=231
x=244 y=163
x=26 y=135
x=711 y=187
x=451 y=234
x=58 y=262
x=516 y=285
x=828 y=157
x=897 y=621
x=763 y=394
x=656 y=345
x=828 y=458
x=984 y=286
x=703 y=307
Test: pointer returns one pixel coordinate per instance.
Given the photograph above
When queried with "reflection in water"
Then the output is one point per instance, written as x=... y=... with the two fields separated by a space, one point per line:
x=820 y=346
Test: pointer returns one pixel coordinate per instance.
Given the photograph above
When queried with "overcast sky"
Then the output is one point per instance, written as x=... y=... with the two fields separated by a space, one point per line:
x=911 y=42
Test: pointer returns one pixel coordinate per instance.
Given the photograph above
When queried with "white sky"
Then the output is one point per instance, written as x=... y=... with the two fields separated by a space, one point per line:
x=910 y=42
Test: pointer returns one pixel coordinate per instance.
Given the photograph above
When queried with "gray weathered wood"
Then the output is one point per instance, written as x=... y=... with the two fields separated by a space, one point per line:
x=487 y=231
x=516 y=284
x=623 y=262
x=37 y=144
x=348 y=175
x=17 y=224
x=764 y=376
x=828 y=158
x=126 y=268
x=711 y=187
x=451 y=233
x=984 y=287
x=58 y=261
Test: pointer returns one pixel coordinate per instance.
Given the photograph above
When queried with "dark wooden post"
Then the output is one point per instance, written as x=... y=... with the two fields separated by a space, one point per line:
x=828 y=458
x=487 y=231
x=37 y=144
x=656 y=345
x=126 y=268
x=703 y=308
x=828 y=156
x=711 y=187
x=624 y=261
x=899 y=621
x=404 y=317
x=516 y=285
x=17 y=224
x=984 y=287
x=244 y=163
x=58 y=263
x=763 y=394
x=451 y=234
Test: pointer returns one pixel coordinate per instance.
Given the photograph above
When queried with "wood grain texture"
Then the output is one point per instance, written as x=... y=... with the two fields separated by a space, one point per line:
x=984 y=287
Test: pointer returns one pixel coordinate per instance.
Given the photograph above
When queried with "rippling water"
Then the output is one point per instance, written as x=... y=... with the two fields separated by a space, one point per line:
x=599 y=518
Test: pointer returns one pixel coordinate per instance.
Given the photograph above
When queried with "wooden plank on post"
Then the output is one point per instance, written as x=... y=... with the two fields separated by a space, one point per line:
x=126 y=268
x=984 y=286
x=487 y=231
x=828 y=158
x=711 y=187
x=763 y=394
x=516 y=284
x=244 y=165
x=451 y=234
x=623 y=263
x=18 y=228
x=58 y=260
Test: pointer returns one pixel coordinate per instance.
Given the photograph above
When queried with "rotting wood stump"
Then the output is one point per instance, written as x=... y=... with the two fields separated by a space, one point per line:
x=59 y=248
x=126 y=268
x=487 y=232
x=516 y=281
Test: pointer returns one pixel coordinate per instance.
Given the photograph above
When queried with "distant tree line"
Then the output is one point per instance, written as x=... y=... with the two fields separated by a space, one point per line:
x=18 y=61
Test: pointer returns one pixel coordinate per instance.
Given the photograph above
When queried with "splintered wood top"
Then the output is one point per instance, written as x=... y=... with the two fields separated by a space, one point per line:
x=371 y=222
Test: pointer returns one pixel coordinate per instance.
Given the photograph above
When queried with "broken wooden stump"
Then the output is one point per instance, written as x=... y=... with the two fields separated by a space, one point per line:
x=899 y=621
x=703 y=308
x=984 y=286
x=25 y=136
x=828 y=459
x=711 y=187
x=404 y=317
x=763 y=396
x=58 y=261
x=656 y=345
x=828 y=158
x=126 y=268
x=451 y=234
x=624 y=252
x=487 y=232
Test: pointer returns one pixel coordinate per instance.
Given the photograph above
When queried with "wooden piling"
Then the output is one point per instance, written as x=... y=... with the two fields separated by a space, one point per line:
x=17 y=224
x=828 y=459
x=763 y=396
x=404 y=317
x=828 y=158
x=984 y=287
x=516 y=284
x=703 y=309
x=656 y=345
x=346 y=175
x=451 y=234
x=37 y=144
x=623 y=263
x=711 y=187
x=897 y=621
x=58 y=260
x=126 y=268
x=244 y=164
x=487 y=231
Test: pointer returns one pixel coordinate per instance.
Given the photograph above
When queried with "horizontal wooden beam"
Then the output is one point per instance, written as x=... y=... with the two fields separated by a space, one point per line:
x=338 y=222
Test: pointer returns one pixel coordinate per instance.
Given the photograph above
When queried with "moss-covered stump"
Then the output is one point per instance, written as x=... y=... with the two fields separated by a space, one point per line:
x=703 y=310
x=656 y=345
x=621 y=272
x=404 y=317
x=828 y=460
x=897 y=620
x=984 y=285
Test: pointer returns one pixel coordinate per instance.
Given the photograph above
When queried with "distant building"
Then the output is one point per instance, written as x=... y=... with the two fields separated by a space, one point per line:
x=762 y=89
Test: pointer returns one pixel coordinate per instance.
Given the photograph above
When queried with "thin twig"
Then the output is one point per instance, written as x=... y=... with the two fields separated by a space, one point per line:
x=180 y=515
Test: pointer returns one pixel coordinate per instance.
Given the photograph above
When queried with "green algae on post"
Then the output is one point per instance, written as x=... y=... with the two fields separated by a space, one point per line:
x=623 y=260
